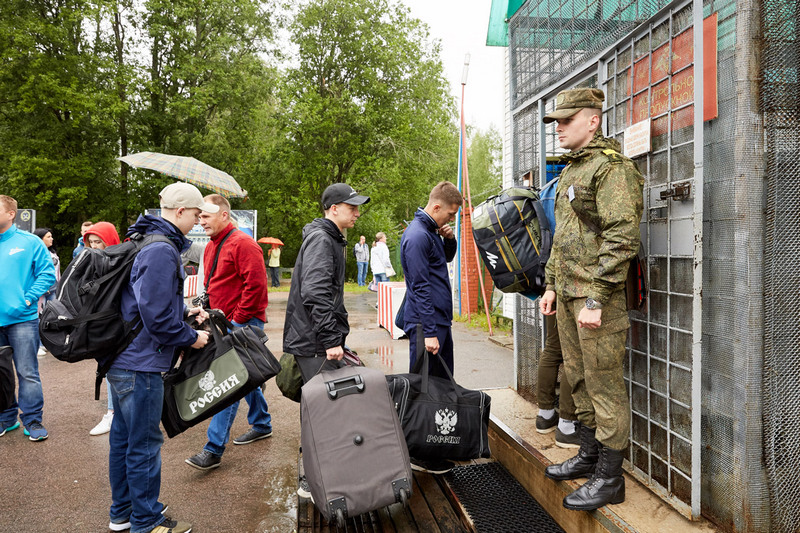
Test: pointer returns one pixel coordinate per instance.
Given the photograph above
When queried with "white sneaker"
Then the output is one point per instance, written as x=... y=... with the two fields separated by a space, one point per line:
x=42 y=352
x=104 y=426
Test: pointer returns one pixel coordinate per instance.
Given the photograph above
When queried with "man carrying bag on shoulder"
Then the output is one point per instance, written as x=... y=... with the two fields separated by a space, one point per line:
x=236 y=284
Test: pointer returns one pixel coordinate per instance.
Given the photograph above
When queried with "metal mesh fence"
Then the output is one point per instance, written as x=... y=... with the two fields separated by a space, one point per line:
x=548 y=38
x=781 y=107
x=749 y=387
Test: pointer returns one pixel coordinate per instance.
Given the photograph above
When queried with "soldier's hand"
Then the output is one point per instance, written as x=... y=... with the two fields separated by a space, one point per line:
x=432 y=344
x=547 y=303
x=202 y=339
x=335 y=354
x=446 y=231
x=590 y=318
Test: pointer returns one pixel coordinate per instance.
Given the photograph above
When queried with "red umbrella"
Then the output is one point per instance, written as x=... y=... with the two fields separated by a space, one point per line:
x=270 y=240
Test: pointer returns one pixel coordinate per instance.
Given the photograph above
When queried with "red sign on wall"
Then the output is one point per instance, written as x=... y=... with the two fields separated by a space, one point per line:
x=670 y=93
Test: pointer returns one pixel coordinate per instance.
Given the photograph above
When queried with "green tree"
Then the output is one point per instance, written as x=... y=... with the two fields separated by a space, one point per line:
x=366 y=103
x=485 y=164
x=57 y=140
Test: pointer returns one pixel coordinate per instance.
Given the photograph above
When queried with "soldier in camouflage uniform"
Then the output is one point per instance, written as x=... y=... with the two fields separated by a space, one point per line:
x=598 y=209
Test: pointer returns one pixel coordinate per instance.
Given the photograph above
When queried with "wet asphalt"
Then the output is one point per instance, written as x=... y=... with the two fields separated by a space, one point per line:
x=61 y=484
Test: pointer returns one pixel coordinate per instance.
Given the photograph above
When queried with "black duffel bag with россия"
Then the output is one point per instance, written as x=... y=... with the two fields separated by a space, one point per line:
x=202 y=382
x=440 y=419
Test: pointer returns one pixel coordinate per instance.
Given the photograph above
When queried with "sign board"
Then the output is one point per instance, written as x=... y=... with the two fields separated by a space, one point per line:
x=26 y=219
x=637 y=139
x=673 y=64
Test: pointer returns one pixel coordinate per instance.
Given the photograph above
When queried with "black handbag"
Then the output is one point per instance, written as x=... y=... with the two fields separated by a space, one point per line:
x=203 y=382
x=440 y=419
x=8 y=382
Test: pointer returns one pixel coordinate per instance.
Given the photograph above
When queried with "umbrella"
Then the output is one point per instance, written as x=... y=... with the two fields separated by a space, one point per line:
x=189 y=170
x=270 y=240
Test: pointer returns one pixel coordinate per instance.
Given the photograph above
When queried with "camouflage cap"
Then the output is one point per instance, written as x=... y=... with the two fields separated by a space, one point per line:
x=571 y=101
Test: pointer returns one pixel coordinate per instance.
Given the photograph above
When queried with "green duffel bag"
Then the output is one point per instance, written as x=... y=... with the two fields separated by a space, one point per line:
x=514 y=239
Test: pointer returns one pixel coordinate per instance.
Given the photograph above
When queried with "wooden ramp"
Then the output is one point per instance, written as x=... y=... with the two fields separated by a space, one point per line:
x=430 y=510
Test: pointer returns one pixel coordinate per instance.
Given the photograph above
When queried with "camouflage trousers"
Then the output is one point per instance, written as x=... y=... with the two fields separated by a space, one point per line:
x=593 y=360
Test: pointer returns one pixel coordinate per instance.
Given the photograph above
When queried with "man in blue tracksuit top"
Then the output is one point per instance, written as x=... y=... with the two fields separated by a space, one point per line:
x=155 y=293
x=26 y=273
x=428 y=244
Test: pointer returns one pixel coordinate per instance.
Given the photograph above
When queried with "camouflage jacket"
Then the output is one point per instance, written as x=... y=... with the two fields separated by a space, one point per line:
x=607 y=187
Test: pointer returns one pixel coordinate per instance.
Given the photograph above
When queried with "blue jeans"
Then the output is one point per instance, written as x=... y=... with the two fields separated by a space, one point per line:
x=362 y=272
x=134 y=458
x=380 y=278
x=275 y=274
x=219 y=429
x=23 y=338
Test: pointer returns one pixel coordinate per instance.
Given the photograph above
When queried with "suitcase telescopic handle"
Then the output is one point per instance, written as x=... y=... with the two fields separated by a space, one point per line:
x=344 y=386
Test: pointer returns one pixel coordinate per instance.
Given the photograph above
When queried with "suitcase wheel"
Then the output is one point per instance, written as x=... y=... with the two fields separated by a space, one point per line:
x=404 y=497
x=339 y=518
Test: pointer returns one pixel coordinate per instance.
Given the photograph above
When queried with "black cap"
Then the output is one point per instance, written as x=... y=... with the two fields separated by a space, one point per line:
x=341 y=193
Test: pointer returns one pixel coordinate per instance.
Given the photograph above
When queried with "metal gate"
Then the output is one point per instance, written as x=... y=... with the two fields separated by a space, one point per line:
x=640 y=76
x=650 y=77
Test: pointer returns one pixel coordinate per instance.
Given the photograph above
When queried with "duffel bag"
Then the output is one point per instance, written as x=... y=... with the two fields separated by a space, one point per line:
x=514 y=239
x=440 y=419
x=204 y=381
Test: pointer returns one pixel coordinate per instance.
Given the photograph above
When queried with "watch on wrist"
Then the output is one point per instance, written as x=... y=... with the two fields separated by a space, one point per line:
x=591 y=303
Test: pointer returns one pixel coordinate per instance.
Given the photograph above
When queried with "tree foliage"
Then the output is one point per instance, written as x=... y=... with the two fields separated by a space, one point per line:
x=357 y=94
x=485 y=160
x=366 y=103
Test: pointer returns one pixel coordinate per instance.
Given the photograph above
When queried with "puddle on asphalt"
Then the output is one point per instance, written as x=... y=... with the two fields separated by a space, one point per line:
x=382 y=355
x=279 y=514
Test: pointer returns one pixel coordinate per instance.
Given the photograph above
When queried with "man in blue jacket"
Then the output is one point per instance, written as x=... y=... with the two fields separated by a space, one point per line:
x=26 y=273
x=428 y=244
x=155 y=293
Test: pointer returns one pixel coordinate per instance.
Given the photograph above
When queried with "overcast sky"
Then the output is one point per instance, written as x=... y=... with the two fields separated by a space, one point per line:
x=461 y=27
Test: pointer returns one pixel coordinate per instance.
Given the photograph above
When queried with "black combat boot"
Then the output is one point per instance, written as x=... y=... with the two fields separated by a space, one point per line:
x=607 y=485
x=582 y=465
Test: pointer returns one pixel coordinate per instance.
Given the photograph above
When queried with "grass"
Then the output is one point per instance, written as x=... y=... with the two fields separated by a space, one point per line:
x=478 y=321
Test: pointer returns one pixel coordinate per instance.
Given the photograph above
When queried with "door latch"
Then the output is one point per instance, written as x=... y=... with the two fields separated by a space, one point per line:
x=678 y=192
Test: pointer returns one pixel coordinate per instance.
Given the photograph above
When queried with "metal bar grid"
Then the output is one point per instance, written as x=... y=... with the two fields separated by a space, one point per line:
x=659 y=445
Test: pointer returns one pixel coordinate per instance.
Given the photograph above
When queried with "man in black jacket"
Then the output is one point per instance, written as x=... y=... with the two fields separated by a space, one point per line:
x=316 y=320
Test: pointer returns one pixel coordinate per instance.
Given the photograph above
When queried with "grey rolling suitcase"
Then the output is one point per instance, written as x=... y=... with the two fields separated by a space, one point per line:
x=354 y=453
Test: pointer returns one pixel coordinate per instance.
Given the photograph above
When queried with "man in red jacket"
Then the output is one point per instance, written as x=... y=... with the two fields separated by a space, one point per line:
x=237 y=285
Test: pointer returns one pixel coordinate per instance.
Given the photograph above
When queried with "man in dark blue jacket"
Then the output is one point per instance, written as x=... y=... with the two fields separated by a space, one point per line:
x=428 y=244
x=155 y=293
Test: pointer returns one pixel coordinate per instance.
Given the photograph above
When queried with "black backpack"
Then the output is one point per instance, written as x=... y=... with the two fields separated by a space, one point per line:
x=85 y=320
x=514 y=237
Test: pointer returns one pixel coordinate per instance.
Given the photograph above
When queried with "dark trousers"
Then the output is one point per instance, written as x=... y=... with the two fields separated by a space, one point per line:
x=445 y=355
x=547 y=375
x=313 y=365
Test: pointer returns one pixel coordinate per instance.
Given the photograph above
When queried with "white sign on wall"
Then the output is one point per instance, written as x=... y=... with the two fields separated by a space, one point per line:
x=637 y=139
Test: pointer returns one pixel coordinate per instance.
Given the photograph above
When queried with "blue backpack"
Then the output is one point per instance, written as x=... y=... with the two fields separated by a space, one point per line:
x=547 y=196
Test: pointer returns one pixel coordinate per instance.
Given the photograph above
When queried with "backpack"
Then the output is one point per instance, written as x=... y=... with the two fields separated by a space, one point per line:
x=514 y=239
x=548 y=198
x=85 y=320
